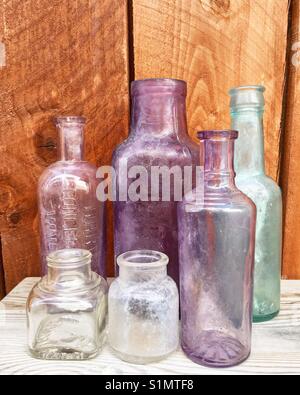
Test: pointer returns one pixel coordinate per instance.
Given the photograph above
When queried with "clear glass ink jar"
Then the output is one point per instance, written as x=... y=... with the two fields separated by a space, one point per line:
x=67 y=309
x=143 y=309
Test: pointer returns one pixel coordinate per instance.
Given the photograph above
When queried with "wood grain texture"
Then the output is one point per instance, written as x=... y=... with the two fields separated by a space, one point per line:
x=62 y=57
x=276 y=346
x=215 y=45
x=291 y=165
x=2 y=281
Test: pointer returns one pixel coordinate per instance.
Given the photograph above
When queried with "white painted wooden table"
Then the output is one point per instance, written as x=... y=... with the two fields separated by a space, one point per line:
x=276 y=345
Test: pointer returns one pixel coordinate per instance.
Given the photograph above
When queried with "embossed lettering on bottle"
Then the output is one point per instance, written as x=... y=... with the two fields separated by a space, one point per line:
x=70 y=214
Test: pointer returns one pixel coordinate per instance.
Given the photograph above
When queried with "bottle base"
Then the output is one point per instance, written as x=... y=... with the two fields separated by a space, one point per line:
x=135 y=360
x=217 y=350
x=62 y=355
x=264 y=318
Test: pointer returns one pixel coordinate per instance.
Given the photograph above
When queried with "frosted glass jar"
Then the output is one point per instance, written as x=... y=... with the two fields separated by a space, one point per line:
x=143 y=309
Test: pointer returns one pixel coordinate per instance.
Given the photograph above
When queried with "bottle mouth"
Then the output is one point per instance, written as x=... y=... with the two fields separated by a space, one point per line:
x=159 y=86
x=69 y=258
x=218 y=135
x=69 y=120
x=144 y=259
x=256 y=88
x=251 y=96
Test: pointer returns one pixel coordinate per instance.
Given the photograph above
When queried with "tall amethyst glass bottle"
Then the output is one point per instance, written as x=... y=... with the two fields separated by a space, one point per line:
x=158 y=139
x=70 y=214
x=216 y=244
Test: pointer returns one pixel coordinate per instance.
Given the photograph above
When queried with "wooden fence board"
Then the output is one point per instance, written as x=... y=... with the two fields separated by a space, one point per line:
x=290 y=175
x=2 y=282
x=215 y=45
x=62 y=57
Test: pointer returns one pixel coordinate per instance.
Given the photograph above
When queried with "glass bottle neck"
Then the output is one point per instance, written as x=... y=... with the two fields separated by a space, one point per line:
x=218 y=163
x=159 y=115
x=68 y=277
x=249 y=153
x=71 y=142
x=69 y=269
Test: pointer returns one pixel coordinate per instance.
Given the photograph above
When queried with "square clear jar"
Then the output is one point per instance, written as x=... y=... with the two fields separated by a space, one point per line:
x=67 y=309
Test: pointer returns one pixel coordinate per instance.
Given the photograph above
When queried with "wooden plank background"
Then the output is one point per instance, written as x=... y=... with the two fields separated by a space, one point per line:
x=79 y=56
x=62 y=57
x=290 y=176
x=216 y=45
x=2 y=281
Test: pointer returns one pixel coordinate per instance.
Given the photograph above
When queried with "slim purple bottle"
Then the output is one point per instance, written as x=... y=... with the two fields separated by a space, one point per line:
x=216 y=244
x=158 y=138
x=70 y=214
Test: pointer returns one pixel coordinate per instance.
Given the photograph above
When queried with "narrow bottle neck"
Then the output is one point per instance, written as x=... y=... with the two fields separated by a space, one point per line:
x=142 y=275
x=159 y=115
x=71 y=142
x=249 y=153
x=218 y=163
x=69 y=276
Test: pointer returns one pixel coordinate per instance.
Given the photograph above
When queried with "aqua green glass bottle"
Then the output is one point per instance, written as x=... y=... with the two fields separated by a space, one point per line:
x=247 y=109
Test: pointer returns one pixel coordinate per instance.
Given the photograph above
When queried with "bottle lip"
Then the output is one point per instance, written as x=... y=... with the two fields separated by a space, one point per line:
x=247 y=98
x=258 y=88
x=159 y=85
x=69 y=120
x=72 y=257
x=143 y=259
x=218 y=134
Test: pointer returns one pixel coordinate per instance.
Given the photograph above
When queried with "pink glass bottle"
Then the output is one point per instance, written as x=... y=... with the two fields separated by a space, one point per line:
x=70 y=214
x=158 y=138
x=216 y=244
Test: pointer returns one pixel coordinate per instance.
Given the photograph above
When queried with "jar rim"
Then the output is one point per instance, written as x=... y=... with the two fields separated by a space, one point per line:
x=69 y=257
x=258 y=88
x=218 y=134
x=159 y=85
x=143 y=259
x=160 y=81
x=69 y=119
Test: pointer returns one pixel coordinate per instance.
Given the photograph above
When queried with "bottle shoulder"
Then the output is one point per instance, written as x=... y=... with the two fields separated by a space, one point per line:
x=165 y=287
x=45 y=294
x=139 y=150
x=260 y=188
x=82 y=171
x=219 y=199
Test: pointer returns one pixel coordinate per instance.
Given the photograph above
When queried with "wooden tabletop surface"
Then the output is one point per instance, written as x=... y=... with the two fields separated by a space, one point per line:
x=276 y=345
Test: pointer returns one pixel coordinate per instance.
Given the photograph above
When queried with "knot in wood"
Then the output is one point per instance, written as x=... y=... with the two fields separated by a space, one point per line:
x=218 y=7
x=15 y=218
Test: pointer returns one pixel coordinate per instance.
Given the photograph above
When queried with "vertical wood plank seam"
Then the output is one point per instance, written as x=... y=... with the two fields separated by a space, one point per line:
x=131 y=51
x=130 y=71
x=284 y=133
x=2 y=273
x=2 y=276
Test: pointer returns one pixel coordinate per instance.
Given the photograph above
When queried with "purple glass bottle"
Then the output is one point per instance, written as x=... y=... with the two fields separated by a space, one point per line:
x=158 y=138
x=70 y=214
x=216 y=244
